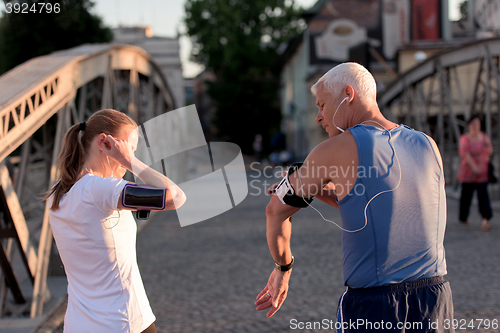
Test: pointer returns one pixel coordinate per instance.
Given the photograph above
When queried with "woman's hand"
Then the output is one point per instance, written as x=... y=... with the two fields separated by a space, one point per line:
x=119 y=150
x=472 y=164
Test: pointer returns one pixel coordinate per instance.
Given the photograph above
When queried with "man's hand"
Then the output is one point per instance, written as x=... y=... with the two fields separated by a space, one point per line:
x=274 y=294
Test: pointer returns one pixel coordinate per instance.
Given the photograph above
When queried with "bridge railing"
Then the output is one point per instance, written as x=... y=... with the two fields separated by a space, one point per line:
x=439 y=95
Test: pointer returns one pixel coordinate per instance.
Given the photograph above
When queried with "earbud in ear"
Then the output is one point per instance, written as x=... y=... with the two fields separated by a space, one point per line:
x=346 y=99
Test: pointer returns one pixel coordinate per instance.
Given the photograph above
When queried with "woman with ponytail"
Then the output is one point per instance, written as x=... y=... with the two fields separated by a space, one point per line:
x=94 y=229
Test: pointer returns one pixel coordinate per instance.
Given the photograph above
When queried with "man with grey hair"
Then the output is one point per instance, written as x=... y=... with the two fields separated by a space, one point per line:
x=393 y=221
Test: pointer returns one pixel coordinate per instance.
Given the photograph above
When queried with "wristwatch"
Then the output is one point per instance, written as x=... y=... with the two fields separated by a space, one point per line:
x=284 y=268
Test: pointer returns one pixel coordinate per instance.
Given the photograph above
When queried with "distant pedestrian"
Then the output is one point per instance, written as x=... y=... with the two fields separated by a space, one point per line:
x=279 y=155
x=257 y=147
x=475 y=149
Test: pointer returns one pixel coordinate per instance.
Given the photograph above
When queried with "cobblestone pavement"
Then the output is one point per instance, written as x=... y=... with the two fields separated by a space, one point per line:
x=205 y=277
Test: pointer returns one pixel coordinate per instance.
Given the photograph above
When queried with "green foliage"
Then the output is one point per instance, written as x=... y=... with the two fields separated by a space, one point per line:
x=464 y=9
x=27 y=35
x=238 y=41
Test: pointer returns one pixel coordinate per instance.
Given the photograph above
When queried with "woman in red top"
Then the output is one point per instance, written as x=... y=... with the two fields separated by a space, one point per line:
x=475 y=149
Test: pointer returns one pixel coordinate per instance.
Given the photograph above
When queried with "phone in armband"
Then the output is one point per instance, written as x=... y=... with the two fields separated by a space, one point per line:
x=285 y=192
x=143 y=198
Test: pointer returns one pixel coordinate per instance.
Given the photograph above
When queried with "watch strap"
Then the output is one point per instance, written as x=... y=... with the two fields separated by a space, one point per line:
x=284 y=268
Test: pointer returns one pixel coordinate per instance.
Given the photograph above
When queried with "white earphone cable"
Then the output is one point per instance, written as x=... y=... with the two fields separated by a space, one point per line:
x=369 y=201
x=333 y=121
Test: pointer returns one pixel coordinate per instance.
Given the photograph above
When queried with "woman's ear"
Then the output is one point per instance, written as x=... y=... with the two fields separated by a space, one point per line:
x=101 y=142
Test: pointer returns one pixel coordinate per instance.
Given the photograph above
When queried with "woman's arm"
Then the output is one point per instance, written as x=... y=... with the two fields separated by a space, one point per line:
x=463 y=150
x=174 y=198
x=123 y=154
x=489 y=145
x=472 y=164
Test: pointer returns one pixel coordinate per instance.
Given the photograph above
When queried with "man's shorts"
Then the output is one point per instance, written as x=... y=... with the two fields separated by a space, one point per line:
x=418 y=306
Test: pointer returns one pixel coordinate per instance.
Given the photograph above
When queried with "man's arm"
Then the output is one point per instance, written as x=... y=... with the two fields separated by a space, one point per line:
x=279 y=230
x=310 y=183
x=314 y=176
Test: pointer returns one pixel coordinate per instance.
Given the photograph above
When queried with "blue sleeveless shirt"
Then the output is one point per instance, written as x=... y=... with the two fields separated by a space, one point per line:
x=403 y=238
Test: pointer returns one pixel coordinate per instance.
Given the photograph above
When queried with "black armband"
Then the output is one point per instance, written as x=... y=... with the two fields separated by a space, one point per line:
x=286 y=193
x=143 y=197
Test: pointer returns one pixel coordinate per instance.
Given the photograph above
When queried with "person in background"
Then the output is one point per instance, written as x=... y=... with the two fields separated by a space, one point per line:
x=257 y=147
x=475 y=149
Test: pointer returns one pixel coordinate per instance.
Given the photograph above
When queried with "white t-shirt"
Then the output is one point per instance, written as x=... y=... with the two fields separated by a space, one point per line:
x=97 y=247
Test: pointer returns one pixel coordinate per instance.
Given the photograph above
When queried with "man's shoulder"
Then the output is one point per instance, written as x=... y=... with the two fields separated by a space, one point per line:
x=336 y=147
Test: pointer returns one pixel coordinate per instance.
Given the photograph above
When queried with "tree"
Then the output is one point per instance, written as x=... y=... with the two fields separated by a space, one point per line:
x=37 y=32
x=464 y=10
x=238 y=41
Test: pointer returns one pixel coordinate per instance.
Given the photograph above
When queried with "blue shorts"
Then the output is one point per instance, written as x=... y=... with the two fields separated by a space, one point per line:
x=417 y=306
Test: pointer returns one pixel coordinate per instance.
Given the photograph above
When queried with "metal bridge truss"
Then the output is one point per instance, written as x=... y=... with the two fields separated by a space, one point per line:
x=439 y=95
x=39 y=101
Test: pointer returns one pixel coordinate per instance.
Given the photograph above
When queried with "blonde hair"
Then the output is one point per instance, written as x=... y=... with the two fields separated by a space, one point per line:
x=352 y=74
x=74 y=148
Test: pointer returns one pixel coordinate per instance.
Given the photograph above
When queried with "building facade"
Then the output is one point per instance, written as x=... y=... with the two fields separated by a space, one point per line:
x=371 y=35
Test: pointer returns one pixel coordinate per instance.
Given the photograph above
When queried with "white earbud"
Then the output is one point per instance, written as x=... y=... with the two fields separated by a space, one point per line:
x=340 y=129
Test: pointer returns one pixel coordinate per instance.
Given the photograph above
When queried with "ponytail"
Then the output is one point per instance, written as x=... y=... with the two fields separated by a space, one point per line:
x=70 y=162
x=74 y=147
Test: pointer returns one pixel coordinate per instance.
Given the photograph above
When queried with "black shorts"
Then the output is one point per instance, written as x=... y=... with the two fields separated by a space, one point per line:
x=418 y=306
